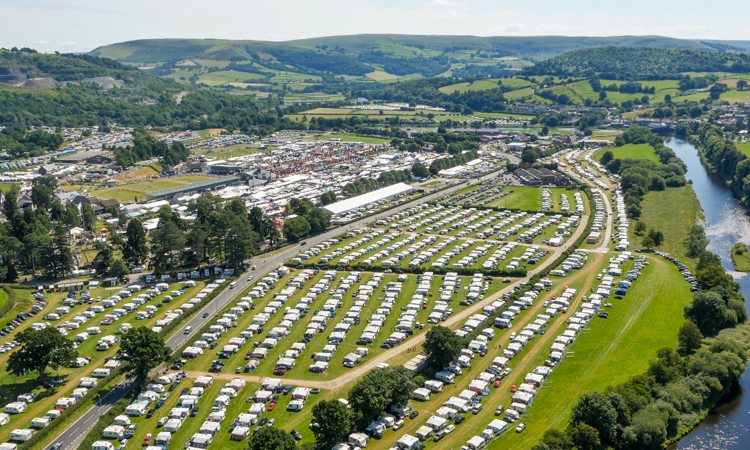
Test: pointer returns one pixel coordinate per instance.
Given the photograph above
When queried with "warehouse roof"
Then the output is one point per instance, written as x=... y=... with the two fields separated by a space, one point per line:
x=359 y=201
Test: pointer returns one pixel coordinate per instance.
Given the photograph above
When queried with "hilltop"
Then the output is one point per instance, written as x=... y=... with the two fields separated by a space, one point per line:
x=640 y=62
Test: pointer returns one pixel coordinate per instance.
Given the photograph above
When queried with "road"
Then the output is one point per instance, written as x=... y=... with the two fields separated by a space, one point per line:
x=75 y=433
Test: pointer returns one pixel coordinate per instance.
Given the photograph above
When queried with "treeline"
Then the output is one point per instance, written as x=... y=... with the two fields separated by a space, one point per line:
x=20 y=142
x=639 y=176
x=34 y=238
x=428 y=67
x=657 y=407
x=426 y=91
x=725 y=160
x=640 y=63
x=456 y=160
x=442 y=142
x=323 y=62
x=146 y=147
x=365 y=185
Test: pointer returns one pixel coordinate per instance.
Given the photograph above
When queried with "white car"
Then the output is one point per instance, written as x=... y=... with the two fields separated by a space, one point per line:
x=449 y=429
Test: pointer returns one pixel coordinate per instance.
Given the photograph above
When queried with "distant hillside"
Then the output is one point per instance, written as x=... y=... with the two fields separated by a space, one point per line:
x=373 y=57
x=640 y=62
x=43 y=71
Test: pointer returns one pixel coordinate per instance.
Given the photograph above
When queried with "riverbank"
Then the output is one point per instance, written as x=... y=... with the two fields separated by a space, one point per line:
x=741 y=257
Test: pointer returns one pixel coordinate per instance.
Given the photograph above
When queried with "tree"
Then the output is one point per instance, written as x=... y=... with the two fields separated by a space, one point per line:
x=57 y=260
x=709 y=312
x=43 y=192
x=689 y=338
x=334 y=423
x=143 y=350
x=594 y=409
x=319 y=220
x=166 y=244
x=640 y=228
x=545 y=130
x=656 y=236
x=607 y=156
x=89 y=220
x=268 y=438
x=328 y=197
x=648 y=431
x=585 y=437
x=72 y=215
x=648 y=242
x=296 y=228
x=300 y=206
x=742 y=85
x=420 y=170
x=118 y=269
x=696 y=241
x=442 y=346
x=39 y=350
x=379 y=389
x=136 y=246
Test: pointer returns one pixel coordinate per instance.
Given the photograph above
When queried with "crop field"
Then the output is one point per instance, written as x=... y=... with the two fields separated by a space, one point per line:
x=380 y=75
x=632 y=151
x=11 y=386
x=136 y=190
x=736 y=96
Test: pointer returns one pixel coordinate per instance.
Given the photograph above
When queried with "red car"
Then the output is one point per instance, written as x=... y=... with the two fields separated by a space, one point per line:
x=147 y=440
x=271 y=406
x=497 y=383
x=513 y=388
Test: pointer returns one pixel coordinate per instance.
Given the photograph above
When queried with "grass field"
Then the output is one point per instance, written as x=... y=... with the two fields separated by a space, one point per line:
x=481 y=85
x=740 y=257
x=520 y=93
x=529 y=198
x=610 y=351
x=672 y=211
x=5 y=187
x=743 y=147
x=233 y=153
x=380 y=75
x=137 y=190
x=351 y=138
x=632 y=151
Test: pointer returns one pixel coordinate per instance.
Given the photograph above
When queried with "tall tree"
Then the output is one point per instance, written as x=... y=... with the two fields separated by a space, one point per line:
x=39 y=350
x=136 y=246
x=442 y=346
x=57 y=261
x=296 y=228
x=334 y=423
x=142 y=350
x=167 y=244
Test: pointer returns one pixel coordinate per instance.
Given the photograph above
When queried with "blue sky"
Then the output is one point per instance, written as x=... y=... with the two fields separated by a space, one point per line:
x=82 y=25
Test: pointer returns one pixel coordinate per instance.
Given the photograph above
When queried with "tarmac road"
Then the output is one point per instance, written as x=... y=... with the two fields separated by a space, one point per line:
x=75 y=433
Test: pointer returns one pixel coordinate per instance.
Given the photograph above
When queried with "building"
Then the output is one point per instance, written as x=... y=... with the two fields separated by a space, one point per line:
x=540 y=177
x=362 y=201
x=224 y=169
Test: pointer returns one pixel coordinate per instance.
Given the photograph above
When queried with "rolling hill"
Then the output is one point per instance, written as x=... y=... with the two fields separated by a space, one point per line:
x=397 y=55
x=640 y=62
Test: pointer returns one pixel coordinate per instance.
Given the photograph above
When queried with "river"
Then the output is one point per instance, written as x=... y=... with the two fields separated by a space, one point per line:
x=728 y=425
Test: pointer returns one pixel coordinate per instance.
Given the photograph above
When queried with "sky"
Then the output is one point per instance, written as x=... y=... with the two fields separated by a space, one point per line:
x=82 y=25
